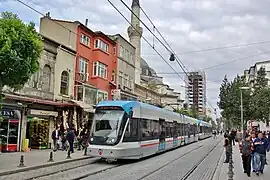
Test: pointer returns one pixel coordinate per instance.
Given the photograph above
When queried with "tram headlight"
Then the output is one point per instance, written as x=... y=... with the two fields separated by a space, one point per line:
x=111 y=140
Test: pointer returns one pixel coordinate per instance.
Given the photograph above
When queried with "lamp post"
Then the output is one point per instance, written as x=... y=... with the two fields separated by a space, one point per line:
x=242 y=111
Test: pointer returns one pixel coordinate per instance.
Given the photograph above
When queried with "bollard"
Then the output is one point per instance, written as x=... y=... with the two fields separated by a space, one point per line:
x=230 y=167
x=68 y=155
x=21 y=162
x=85 y=151
x=51 y=157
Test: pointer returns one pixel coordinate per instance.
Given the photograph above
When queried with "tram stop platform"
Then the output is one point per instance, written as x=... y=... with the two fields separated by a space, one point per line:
x=222 y=168
x=35 y=159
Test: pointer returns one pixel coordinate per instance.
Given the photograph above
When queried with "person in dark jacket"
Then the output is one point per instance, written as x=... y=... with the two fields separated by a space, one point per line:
x=70 y=138
x=246 y=148
x=227 y=146
x=55 y=138
x=260 y=150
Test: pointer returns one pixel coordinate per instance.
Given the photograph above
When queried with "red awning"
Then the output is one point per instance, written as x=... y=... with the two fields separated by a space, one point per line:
x=39 y=101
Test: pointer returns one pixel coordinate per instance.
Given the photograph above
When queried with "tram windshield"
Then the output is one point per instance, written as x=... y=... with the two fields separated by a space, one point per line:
x=106 y=124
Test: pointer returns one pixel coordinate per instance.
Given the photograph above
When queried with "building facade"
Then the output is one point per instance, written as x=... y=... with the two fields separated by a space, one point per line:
x=196 y=91
x=96 y=60
x=125 y=69
x=251 y=73
x=33 y=112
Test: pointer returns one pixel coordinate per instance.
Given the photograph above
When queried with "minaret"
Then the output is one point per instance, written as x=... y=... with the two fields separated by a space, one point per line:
x=135 y=38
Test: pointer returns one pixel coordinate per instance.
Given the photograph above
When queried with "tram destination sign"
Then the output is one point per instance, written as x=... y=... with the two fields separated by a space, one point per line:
x=109 y=108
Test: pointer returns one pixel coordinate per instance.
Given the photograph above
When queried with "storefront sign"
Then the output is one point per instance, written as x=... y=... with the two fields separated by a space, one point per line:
x=7 y=113
x=43 y=113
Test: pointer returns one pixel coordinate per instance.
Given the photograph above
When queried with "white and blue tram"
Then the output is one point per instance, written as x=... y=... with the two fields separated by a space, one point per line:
x=133 y=130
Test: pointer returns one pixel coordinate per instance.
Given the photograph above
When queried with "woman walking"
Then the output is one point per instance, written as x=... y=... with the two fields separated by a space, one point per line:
x=246 y=148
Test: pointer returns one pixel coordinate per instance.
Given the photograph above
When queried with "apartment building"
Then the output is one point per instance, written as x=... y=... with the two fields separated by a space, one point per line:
x=251 y=73
x=196 y=91
x=125 y=69
x=96 y=58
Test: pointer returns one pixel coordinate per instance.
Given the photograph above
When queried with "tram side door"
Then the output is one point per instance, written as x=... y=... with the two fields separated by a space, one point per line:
x=162 y=135
x=174 y=134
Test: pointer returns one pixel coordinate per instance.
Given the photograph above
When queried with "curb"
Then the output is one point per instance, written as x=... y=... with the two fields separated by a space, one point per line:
x=42 y=166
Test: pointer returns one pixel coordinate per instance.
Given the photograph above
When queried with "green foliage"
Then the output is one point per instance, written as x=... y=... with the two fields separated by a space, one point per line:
x=230 y=100
x=20 y=49
x=256 y=100
x=207 y=119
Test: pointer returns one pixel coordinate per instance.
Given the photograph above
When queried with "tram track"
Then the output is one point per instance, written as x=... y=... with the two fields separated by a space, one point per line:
x=190 y=171
x=94 y=173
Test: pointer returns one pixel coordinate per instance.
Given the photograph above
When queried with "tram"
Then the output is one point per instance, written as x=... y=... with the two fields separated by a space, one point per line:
x=133 y=130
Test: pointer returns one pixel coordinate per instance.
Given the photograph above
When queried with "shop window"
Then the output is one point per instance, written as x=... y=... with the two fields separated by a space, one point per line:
x=46 y=78
x=9 y=130
x=38 y=133
x=101 y=96
x=90 y=95
x=64 y=83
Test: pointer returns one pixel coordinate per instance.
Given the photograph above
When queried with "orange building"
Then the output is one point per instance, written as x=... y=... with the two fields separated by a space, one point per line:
x=96 y=64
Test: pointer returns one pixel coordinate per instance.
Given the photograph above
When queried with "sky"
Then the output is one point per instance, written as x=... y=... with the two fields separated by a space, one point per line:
x=187 y=25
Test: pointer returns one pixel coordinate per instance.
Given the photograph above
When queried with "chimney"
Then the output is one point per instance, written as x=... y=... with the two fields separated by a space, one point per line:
x=86 y=22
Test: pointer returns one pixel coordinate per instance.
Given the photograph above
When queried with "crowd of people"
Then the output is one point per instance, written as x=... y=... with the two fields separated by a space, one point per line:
x=253 y=147
x=64 y=138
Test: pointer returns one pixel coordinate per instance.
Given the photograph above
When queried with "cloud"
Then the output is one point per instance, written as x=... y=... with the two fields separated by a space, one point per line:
x=188 y=25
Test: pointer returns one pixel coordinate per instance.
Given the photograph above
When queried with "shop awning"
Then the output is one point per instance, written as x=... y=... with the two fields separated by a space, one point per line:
x=84 y=106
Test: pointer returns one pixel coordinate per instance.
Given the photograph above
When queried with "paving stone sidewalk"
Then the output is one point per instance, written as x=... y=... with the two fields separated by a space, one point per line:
x=10 y=161
x=222 y=168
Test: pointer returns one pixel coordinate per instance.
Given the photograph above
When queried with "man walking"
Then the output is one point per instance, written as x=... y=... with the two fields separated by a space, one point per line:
x=260 y=150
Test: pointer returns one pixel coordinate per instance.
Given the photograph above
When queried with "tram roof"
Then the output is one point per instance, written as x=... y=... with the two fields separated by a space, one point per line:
x=128 y=105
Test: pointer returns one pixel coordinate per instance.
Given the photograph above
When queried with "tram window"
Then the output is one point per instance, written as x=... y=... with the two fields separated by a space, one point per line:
x=145 y=126
x=155 y=128
x=168 y=129
x=131 y=134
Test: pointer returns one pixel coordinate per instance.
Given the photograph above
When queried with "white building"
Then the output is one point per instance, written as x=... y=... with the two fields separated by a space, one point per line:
x=196 y=91
x=251 y=73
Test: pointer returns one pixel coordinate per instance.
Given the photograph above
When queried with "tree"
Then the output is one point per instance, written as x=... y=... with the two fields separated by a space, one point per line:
x=20 y=49
x=230 y=101
x=261 y=81
x=183 y=111
x=207 y=119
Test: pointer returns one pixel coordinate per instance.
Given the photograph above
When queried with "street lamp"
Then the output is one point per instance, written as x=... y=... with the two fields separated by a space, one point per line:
x=242 y=112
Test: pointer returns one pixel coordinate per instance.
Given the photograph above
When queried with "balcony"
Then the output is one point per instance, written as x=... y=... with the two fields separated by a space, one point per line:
x=82 y=77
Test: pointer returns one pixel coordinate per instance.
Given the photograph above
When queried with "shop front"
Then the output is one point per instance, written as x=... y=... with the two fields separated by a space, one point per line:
x=9 y=129
x=40 y=124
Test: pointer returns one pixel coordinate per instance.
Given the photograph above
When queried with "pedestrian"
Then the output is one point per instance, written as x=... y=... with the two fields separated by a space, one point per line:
x=260 y=146
x=215 y=134
x=253 y=138
x=55 y=138
x=70 y=138
x=233 y=135
x=246 y=149
x=227 y=147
